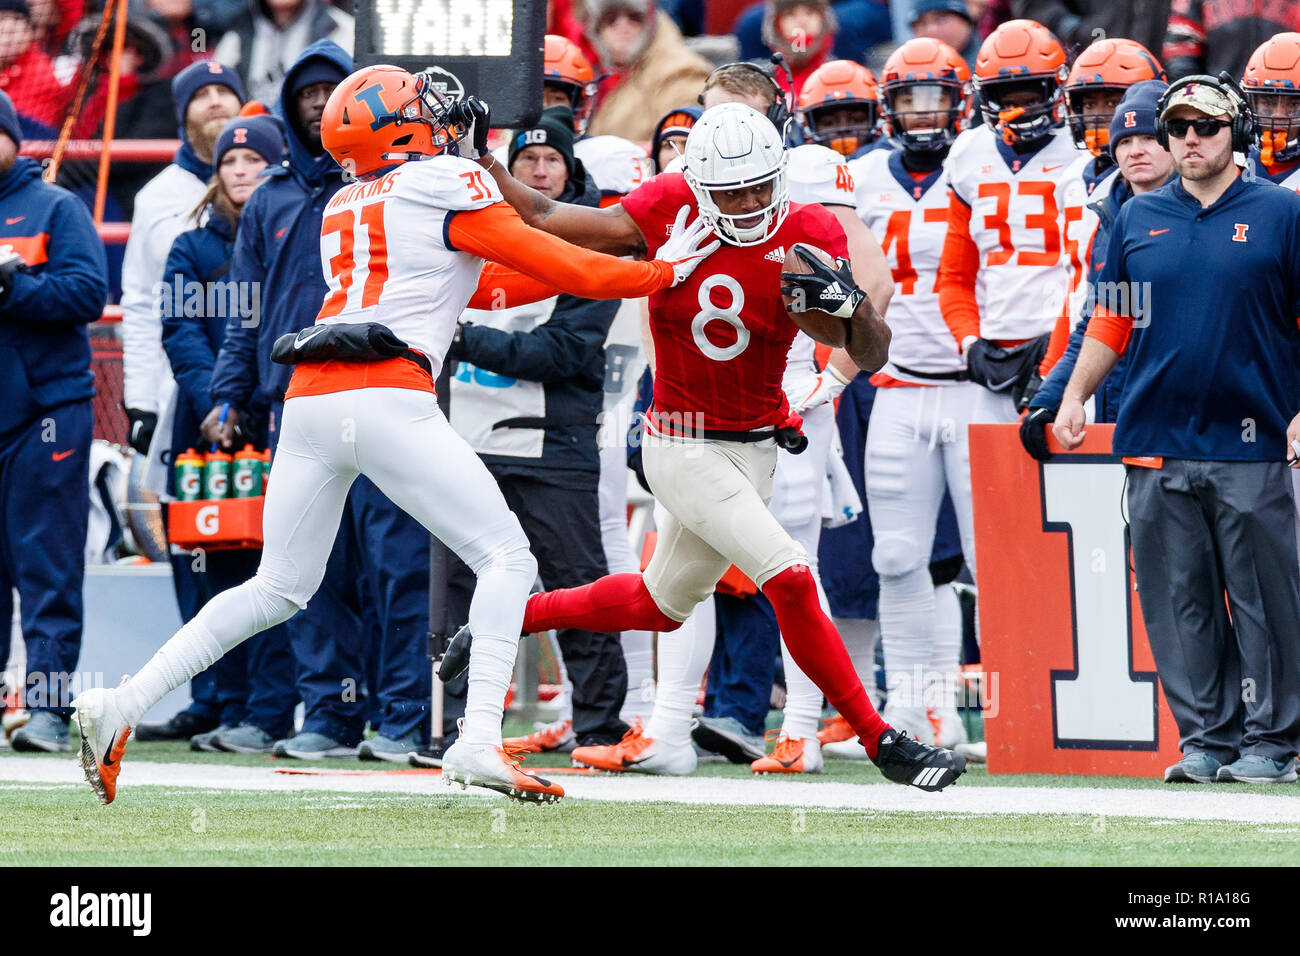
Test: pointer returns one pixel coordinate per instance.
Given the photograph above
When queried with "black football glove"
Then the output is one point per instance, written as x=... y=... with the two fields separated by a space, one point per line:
x=824 y=288
x=141 y=427
x=11 y=263
x=1010 y=371
x=475 y=115
x=1033 y=432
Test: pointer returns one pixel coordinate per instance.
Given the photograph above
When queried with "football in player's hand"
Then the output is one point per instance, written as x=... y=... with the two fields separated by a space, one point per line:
x=820 y=326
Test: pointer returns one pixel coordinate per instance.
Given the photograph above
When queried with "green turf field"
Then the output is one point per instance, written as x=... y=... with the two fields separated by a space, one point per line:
x=47 y=816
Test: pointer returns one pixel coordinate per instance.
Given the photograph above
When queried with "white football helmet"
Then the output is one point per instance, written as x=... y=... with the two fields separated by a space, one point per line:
x=732 y=146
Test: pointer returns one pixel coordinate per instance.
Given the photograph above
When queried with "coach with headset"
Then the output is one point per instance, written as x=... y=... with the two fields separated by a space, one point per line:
x=1201 y=288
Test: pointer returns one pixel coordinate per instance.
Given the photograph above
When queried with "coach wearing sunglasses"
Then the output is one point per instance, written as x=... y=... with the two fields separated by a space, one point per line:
x=1201 y=287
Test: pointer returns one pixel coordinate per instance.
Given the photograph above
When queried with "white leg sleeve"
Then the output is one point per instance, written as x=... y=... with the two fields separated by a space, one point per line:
x=638 y=646
x=683 y=658
x=408 y=449
x=307 y=487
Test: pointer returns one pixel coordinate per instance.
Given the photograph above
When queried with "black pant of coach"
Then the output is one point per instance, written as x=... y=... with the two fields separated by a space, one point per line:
x=1229 y=670
x=560 y=513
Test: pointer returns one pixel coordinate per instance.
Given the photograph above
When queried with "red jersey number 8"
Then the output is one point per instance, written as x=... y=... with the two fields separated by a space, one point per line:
x=730 y=314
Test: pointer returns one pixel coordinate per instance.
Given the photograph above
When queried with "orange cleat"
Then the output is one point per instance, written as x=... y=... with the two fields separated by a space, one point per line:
x=483 y=765
x=638 y=753
x=553 y=737
x=790 y=755
x=835 y=731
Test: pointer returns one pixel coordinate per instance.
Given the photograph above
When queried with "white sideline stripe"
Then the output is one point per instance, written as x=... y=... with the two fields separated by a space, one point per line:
x=1184 y=803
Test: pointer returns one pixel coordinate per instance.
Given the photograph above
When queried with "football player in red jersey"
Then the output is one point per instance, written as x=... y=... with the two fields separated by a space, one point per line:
x=711 y=436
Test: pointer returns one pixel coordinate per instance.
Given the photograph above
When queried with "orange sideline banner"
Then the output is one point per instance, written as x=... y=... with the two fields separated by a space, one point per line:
x=1070 y=684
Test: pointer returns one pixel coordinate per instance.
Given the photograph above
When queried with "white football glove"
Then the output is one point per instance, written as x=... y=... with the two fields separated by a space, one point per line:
x=821 y=388
x=683 y=248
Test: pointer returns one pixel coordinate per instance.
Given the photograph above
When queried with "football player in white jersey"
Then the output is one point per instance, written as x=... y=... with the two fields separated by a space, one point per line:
x=1003 y=276
x=917 y=439
x=839 y=107
x=1096 y=84
x=403 y=253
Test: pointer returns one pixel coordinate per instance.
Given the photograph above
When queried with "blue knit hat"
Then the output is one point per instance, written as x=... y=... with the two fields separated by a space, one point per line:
x=1136 y=113
x=194 y=77
x=264 y=135
x=9 y=119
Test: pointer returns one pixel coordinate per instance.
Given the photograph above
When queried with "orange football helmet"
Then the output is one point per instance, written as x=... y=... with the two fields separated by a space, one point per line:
x=1107 y=65
x=565 y=66
x=1020 y=55
x=1272 y=86
x=835 y=86
x=382 y=115
x=925 y=67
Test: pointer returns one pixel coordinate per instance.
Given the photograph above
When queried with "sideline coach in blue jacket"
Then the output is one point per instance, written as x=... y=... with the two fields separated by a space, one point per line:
x=1201 y=288
x=53 y=281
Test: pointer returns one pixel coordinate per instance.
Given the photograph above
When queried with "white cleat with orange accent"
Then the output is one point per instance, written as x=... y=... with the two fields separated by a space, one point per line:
x=103 y=739
x=483 y=765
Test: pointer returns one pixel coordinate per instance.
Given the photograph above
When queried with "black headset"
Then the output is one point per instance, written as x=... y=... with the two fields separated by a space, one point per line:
x=1243 y=124
x=779 y=111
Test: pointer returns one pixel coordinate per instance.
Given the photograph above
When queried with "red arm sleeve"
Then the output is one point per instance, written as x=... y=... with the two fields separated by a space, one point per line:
x=958 y=264
x=496 y=233
x=1110 y=328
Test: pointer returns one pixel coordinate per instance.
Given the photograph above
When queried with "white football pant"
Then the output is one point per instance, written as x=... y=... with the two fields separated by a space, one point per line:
x=399 y=439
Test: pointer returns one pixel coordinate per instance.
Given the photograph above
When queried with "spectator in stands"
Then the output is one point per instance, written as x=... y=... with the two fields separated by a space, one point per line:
x=205 y=96
x=863 y=24
x=27 y=75
x=270 y=34
x=1224 y=39
x=177 y=25
x=1078 y=23
x=52 y=20
x=527 y=397
x=377 y=577
x=254 y=682
x=53 y=282
x=649 y=68
x=949 y=21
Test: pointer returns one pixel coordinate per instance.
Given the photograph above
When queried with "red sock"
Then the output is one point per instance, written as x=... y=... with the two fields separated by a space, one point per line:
x=616 y=602
x=819 y=651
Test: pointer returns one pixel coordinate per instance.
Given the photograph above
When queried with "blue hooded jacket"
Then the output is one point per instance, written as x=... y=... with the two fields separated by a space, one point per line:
x=44 y=344
x=278 y=248
x=1111 y=391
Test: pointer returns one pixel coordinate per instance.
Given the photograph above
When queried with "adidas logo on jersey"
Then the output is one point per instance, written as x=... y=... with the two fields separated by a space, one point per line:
x=776 y=255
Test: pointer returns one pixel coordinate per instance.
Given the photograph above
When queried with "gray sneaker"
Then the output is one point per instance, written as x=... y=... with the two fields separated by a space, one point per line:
x=244 y=739
x=728 y=736
x=1256 y=768
x=207 y=742
x=310 y=745
x=397 y=750
x=46 y=732
x=1193 y=768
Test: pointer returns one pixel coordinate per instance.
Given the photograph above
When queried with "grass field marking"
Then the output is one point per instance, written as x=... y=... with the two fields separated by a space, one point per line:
x=1099 y=805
